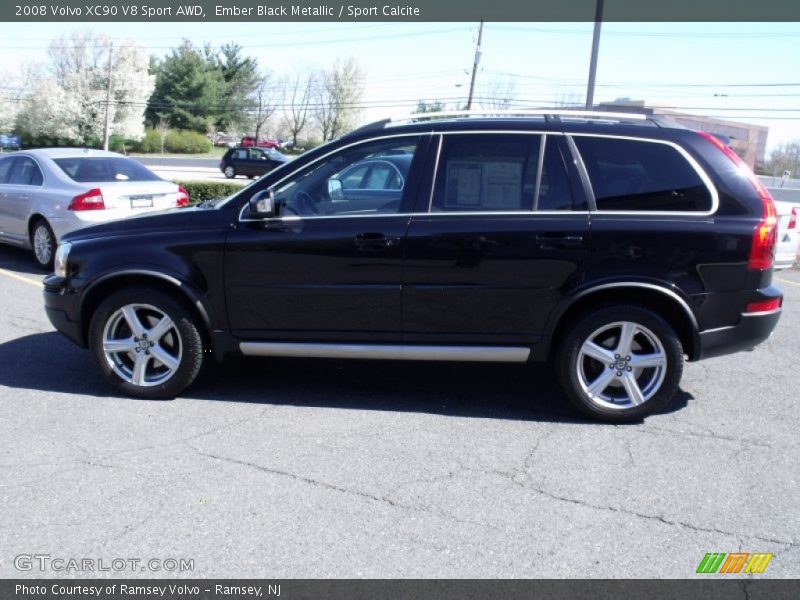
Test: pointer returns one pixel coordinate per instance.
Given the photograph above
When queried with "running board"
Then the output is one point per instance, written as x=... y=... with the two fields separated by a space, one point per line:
x=514 y=354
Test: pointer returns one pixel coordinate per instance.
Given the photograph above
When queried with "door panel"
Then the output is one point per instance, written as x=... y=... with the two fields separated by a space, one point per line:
x=488 y=279
x=316 y=278
x=484 y=267
x=317 y=271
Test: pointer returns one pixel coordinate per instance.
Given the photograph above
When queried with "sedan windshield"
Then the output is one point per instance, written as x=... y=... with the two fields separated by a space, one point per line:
x=104 y=169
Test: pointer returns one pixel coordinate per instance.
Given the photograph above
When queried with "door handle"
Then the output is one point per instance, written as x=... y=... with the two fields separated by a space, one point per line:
x=375 y=241
x=558 y=240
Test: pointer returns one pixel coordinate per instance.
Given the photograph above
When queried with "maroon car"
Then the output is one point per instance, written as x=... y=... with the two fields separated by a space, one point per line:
x=249 y=141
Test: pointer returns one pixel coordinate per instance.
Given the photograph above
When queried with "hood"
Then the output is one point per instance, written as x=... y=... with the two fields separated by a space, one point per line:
x=163 y=220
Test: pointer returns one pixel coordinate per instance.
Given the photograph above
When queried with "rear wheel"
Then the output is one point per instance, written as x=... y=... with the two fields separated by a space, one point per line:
x=229 y=172
x=43 y=243
x=146 y=343
x=620 y=363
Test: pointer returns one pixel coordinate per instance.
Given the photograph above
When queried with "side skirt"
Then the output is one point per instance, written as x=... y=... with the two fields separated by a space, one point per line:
x=514 y=354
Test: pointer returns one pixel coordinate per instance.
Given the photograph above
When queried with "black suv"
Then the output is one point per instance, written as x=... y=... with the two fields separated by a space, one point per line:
x=614 y=246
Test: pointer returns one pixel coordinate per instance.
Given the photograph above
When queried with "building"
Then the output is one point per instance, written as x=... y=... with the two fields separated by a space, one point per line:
x=749 y=141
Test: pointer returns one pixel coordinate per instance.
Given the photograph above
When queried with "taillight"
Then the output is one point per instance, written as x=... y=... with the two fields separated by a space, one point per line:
x=793 y=220
x=91 y=200
x=763 y=306
x=183 y=197
x=765 y=235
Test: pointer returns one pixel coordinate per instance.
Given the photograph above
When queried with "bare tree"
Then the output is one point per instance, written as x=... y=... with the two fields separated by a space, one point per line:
x=163 y=130
x=337 y=94
x=569 y=100
x=498 y=94
x=297 y=89
x=263 y=101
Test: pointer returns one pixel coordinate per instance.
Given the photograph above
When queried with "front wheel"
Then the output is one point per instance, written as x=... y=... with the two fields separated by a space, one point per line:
x=146 y=343
x=620 y=363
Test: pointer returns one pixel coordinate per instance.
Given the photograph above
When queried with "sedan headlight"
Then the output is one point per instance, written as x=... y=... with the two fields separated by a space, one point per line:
x=60 y=261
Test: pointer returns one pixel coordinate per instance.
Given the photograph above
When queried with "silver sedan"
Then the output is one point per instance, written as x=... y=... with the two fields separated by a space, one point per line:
x=47 y=193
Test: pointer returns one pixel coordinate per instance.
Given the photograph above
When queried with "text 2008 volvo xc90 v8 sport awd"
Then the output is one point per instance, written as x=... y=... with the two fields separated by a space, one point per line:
x=613 y=246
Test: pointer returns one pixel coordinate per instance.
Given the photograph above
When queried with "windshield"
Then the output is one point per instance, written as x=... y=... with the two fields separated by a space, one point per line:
x=104 y=169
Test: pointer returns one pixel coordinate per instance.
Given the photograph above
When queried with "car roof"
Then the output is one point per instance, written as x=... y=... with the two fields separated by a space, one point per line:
x=624 y=124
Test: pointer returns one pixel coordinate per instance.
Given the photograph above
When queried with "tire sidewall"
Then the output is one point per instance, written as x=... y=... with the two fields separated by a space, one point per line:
x=579 y=333
x=188 y=330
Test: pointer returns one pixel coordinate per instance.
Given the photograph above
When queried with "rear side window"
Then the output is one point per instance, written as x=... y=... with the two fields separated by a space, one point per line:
x=488 y=172
x=633 y=175
x=104 y=169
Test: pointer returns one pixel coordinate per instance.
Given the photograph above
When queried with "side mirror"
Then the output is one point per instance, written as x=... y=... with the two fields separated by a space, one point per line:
x=262 y=204
x=335 y=189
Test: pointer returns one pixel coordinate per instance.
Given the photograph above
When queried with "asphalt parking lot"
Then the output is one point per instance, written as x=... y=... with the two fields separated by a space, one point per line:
x=282 y=468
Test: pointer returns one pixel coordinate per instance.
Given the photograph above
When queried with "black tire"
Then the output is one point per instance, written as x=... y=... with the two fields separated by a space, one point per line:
x=184 y=340
x=229 y=171
x=577 y=371
x=43 y=244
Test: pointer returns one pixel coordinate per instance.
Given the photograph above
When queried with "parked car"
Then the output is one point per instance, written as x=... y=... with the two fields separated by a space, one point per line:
x=370 y=179
x=788 y=245
x=47 y=193
x=249 y=141
x=225 y=141
x=606 y=246
x=250 y=162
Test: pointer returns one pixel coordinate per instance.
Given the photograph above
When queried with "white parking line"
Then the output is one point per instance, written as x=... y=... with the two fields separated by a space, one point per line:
x=789 y=281
x=21 y=278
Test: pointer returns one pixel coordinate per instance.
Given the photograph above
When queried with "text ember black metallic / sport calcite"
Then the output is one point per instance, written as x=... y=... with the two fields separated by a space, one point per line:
x=613 y=245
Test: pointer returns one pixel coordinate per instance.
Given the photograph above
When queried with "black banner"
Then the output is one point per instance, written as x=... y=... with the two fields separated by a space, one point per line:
x=401 y=10
x=484 y=589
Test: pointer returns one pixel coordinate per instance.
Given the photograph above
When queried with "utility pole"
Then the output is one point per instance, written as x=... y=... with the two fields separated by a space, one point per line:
x=108 y=100
x=475 y=66
x=598 y=19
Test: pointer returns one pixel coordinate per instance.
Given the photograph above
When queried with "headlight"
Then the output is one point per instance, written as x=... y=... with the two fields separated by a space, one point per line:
x=60 y=261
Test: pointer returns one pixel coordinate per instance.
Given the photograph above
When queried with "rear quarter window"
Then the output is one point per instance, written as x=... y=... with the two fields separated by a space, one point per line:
x=634 y=175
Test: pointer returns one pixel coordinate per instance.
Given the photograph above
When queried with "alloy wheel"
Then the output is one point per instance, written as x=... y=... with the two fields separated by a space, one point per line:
x=142 y=345
x=621 y=365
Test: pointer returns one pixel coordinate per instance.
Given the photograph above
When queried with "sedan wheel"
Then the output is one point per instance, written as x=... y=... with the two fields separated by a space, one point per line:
x=44 y=244
x=147 y=344
x=620 y=363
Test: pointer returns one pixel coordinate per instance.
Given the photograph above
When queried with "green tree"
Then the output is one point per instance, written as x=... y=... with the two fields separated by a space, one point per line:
x=241 y=81
x=190 y=89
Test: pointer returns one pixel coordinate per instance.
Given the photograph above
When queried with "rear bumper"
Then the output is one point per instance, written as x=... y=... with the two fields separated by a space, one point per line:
x=752 y=329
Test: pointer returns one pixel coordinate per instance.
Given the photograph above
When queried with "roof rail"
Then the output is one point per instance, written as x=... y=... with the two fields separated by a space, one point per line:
x=547 y=114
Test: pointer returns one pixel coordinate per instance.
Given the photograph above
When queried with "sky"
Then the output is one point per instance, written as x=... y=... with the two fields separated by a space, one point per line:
x=741 y=71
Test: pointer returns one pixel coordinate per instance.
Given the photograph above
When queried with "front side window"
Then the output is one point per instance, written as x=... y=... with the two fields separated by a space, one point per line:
x=493 y=172
x=25 y=172
x=342 y=184
x=635 y=175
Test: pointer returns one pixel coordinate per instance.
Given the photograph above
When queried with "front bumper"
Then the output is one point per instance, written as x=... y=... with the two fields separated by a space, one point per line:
x=60 y=304
x=752 y=329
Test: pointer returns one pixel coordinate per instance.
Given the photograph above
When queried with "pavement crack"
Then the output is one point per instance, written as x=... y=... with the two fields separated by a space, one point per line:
x=710 y=435
x=660 y=518
x=342 y=490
